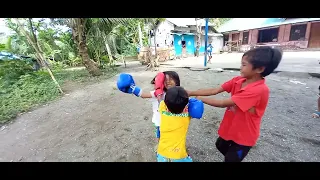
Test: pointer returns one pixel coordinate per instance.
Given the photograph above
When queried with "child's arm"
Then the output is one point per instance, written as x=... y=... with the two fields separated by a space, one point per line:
x=227 y=86
x=146 y=94
x=217 y=103
x=244 y=100
x=206 y=92
x=126 y=84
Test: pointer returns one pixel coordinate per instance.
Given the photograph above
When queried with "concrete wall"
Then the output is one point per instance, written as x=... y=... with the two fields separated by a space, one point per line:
x=163 y=34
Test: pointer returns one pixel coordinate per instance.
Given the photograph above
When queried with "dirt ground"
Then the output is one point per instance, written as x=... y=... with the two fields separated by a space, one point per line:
x=99 y=123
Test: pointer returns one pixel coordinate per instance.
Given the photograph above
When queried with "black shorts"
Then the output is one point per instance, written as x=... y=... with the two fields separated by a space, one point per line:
x=232 y=151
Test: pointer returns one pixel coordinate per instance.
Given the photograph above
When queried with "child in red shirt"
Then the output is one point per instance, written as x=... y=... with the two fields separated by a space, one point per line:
x=240 y=127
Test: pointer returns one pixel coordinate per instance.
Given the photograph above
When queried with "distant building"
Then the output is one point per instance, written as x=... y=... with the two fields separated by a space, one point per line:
x=181 y=33
x=287 y=33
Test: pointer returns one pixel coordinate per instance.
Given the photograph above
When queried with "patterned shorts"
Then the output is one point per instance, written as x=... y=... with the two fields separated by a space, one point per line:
x=164 y=159
x=157 y=131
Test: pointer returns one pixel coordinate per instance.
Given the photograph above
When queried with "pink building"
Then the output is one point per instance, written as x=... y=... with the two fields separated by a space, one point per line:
x=287 y=33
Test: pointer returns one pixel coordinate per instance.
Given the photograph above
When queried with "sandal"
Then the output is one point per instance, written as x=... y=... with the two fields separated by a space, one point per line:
x=316 y=114
x=155 y=149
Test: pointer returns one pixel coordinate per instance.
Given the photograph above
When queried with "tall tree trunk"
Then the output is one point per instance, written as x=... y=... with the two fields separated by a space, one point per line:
x=34 y=43
x=149 y=38
x=140 y=35
x=198 y=38
x=155 y=41
x=79 y=35
x=109 y=52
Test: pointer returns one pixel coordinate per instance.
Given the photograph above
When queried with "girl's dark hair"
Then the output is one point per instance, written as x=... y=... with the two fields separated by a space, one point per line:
x=172 y=74
x=176 y=99
x=267 y=57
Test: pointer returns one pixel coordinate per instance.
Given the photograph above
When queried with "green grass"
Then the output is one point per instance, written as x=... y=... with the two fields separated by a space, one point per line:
x=37 y=88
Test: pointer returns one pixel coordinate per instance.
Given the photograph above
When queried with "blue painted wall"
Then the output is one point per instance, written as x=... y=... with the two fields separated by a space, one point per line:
x=201 y=50
x=190 y=46
x=177 y=47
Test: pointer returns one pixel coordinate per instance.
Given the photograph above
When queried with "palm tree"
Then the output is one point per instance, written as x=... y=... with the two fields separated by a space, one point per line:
x=80 y=28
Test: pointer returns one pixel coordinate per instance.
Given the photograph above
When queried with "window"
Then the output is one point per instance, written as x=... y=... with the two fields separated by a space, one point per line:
x=235 y=36
x=298 y=32
x=245 y=37
x=268 y=35
x=225 y=37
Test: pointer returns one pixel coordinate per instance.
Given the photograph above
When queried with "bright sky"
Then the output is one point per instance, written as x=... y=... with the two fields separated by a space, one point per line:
x=5 y=29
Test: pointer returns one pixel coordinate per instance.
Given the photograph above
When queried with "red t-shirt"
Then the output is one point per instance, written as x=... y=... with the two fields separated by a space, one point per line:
x=241 y=122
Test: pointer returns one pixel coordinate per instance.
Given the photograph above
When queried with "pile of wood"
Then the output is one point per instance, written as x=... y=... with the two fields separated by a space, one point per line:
x=146 y=53
x=164 y=54
x=172 y=53
x=233 y=45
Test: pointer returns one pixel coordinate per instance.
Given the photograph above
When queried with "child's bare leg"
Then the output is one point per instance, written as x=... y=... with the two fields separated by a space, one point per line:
x=317 y=114
x=319 y=104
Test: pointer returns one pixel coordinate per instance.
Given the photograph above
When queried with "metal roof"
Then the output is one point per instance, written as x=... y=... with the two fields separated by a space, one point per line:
x=213 y=34
x=209 y=34
x=240 y=24
x=179 y=34
x=185 y=22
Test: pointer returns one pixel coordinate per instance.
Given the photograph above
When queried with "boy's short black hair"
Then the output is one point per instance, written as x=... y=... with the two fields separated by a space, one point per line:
x=176 y=99
x=172 y=74
x=266 y=56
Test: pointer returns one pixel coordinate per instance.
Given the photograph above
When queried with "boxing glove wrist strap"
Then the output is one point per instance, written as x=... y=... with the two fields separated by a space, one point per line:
x=136 y=91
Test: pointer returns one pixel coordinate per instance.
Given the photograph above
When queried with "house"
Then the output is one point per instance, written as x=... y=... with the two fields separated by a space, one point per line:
x=287 y=33
x=181 y=33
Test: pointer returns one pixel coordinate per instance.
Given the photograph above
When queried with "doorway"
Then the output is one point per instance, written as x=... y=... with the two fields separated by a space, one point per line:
x=314 y=40
x=184 y=47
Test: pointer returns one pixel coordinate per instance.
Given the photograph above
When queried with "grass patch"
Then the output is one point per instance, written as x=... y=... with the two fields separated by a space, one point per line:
x=37 y=88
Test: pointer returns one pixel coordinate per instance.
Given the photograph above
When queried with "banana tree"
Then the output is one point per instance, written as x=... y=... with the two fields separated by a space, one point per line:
x=80 y=28
x=33 y=41
x=105 y=36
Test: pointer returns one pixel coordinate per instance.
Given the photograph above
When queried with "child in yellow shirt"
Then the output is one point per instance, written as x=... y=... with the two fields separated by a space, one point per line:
x=175 y=113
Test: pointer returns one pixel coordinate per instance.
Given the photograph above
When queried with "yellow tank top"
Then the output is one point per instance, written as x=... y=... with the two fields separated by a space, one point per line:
x=173 y=133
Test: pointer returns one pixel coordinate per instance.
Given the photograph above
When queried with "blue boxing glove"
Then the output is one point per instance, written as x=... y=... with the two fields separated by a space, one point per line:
x=126 y=84
x=196 y=108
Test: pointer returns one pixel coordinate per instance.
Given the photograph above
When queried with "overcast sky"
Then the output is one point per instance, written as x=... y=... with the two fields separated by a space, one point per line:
x=5 y=29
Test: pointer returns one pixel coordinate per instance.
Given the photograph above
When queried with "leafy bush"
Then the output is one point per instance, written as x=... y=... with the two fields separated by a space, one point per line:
x=28 y=88
x=74 y=61
x=130 y=50
x=31 y=89
x=10 y=71
x=2 y=47
x=58 y=65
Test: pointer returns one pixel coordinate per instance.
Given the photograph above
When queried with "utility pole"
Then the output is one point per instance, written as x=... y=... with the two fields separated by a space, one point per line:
x=206 y=42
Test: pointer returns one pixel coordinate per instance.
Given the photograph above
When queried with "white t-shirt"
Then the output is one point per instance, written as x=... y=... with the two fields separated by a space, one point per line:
x=155 y=108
